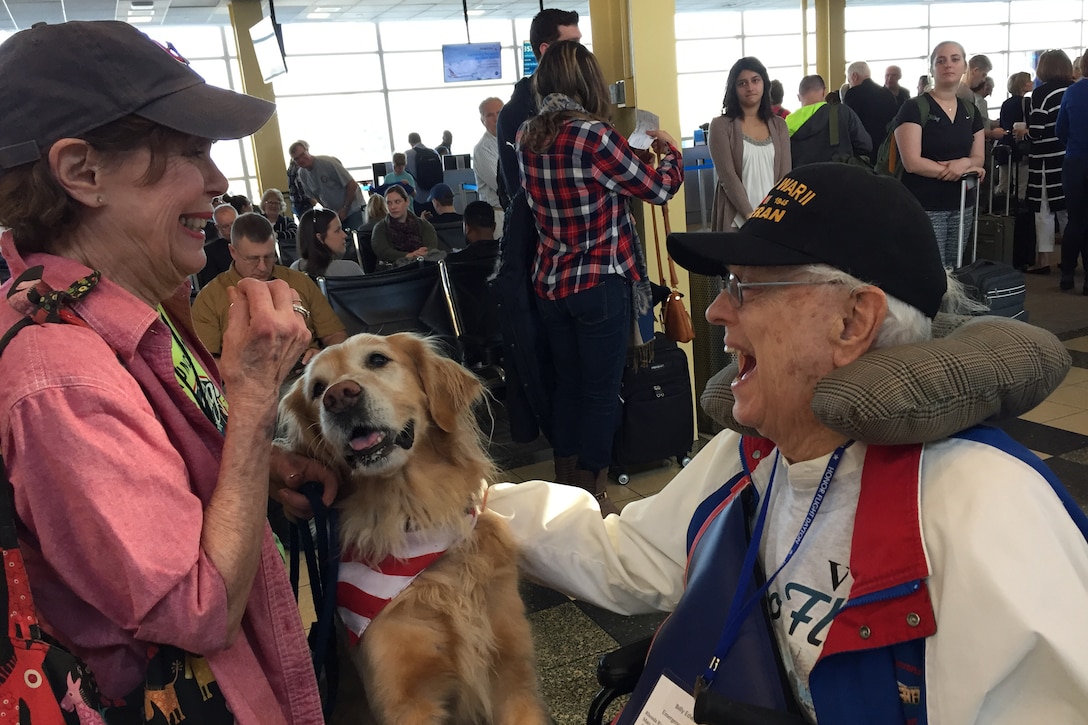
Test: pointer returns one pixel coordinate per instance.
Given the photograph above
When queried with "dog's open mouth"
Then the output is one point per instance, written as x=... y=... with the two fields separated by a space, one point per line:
x=369 y=446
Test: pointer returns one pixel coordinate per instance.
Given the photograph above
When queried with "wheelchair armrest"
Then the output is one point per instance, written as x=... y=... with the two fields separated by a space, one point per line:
x=617 y=672
x=623 y=667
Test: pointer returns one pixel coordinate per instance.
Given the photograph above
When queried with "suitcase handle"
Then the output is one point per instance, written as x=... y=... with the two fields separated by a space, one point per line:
x=965 y=181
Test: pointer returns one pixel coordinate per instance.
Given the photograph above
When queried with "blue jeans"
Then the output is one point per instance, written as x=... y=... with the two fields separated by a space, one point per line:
x=588 y=333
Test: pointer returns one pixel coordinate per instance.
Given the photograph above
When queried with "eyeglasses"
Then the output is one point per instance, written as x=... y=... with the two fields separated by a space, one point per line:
x=268 y=259
x=735 y=288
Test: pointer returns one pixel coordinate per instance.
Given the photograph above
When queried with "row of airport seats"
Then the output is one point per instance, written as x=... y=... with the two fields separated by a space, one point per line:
x=451 y=238
x=449 y=300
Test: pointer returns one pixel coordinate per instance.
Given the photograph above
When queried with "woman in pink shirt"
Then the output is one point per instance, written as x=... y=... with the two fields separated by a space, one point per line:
x=140 y=509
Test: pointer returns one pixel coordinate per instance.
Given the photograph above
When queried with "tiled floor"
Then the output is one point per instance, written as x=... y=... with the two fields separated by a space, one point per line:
x=571 y=636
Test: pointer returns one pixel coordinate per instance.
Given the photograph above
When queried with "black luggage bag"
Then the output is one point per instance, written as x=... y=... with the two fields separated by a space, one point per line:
x=1007 y=237
x=995 y=283
x=1000 y=286
x=656 y=416
x=995 y=239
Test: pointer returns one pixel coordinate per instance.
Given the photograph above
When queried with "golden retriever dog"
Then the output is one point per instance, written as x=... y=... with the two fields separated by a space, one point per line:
x=395 y=418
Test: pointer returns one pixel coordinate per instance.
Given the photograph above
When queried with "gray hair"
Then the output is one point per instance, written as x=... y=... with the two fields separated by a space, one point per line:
x=903 y=324
x=860 y=67
x=980 y=61
x=487 y=101
x=223 y=207
x=273 y=194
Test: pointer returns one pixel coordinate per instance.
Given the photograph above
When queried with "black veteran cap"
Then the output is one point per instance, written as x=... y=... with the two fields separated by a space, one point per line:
x=850 y=218
x=61 y=81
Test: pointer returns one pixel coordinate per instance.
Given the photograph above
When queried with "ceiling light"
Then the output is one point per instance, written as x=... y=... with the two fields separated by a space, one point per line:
x=476 y=12
x=142 y=3
x=318 y=16
x=140 y=13
x=140 y=18
x=328 y=10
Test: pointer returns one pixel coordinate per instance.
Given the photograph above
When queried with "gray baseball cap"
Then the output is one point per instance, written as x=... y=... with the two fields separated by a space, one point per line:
x=61 y=81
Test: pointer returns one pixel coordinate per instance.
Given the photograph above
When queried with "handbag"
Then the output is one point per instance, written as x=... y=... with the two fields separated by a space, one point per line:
x=674 y=316
x=50 y=684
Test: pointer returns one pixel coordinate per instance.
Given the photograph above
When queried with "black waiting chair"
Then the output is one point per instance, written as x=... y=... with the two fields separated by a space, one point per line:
x=475 y=315
x=364 y=251
x=451 y=236
x=477 y=307
x=405 y=299
x=287 y=251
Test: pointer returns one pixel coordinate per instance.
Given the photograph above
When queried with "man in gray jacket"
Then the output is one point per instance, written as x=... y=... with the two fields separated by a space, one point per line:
x=818 y=135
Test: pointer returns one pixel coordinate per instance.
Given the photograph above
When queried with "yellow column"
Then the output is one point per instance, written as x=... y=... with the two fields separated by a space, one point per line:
x=831 y=42
x=635 y=41
x=268 y=148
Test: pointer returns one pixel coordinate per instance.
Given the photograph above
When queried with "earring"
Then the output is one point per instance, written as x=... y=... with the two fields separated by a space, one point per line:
x=100 y=199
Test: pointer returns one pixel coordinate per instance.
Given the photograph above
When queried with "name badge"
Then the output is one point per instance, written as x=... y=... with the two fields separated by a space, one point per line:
x=668 y=704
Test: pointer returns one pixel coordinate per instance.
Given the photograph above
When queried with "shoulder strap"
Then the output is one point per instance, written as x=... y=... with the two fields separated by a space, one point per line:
x=923 y=107
x=39 y=304
x=971 y=108
x=13 y=331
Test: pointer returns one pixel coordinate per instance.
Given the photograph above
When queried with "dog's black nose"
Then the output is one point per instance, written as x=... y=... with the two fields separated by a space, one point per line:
x=341 y=397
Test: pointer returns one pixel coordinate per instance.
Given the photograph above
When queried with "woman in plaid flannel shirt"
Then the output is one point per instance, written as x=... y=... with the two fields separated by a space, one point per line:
x=589 y=272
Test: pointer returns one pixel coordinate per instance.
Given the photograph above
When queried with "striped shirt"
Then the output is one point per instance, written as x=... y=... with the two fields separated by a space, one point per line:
x=578 y=193
x=1047 y=151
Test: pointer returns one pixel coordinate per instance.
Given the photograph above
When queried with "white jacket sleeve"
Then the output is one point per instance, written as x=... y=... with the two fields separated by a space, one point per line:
x=632 y=563
x=1009 y=586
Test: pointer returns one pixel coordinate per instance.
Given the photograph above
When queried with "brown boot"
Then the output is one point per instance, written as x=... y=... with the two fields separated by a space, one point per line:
x=596 y=484
x=564 y=468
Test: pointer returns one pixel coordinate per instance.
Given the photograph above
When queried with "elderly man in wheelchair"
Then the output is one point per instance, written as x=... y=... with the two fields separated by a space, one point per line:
x=856 y=548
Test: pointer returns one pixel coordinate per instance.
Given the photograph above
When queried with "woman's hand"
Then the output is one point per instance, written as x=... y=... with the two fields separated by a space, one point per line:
x=288 y=471
x=662 y=141
x=264 y=338
x=419 y=252
x=954 y=169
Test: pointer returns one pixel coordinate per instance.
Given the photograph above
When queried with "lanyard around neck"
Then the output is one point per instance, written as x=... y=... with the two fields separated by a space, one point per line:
x=739 y=608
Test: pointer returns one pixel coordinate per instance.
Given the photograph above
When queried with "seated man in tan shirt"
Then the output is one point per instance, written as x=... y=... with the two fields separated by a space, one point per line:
x=253 y=249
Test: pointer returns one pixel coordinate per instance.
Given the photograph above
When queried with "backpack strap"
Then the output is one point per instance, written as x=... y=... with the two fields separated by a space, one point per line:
x=833 y=126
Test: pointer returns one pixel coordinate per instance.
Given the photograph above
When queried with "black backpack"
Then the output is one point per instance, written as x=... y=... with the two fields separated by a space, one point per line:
x=428 y=167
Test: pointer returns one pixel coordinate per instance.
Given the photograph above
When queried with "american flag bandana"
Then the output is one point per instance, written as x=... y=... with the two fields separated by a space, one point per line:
x=363 y=590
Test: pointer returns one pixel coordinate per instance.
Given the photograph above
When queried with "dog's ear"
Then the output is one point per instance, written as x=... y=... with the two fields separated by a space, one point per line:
x=293 y=415
x=451 y=389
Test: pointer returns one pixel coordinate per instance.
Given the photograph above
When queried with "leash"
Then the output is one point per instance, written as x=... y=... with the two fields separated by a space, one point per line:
x=323 y=566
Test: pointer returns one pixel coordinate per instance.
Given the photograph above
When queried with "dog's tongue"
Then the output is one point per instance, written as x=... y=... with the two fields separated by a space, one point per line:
x=362 y=443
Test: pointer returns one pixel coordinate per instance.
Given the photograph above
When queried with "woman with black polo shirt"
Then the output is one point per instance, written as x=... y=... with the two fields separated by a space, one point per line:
x=939 y=149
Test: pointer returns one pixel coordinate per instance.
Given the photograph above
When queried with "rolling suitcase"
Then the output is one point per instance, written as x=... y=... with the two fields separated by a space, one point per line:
x=995 y=234
x=656 y=412
x=1000 y=286
x=997 y=284
x=1007 y=237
